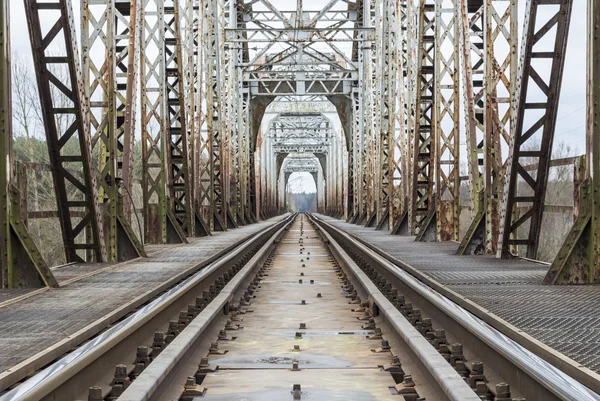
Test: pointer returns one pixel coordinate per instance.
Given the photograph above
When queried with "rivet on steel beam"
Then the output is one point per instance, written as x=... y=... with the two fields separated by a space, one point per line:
x=312 y=281
x=300 y=281
x=303 y=302
x=295 y=366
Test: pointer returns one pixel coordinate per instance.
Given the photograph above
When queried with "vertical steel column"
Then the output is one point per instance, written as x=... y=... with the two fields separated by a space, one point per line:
x=21 y=264
x=441 y=223
x=424 y=131
x=501 y=78
x=214 y=115
x=160 y=226
x=472 y=49
x=405 y=146
x=368 y=116
x=202 y=149
x=5 y=138
x=98 y=38
x=196 y=117
x=399 y=120
x=389 y=92
x=152 y=108
x=109 y=37
x=236 y=121
x=578 y=260
x=355 y=173
x=127 y=41
x=227 y=118
x=77 y=129
x=177 y=152
x=535 y=121
x=500 y=66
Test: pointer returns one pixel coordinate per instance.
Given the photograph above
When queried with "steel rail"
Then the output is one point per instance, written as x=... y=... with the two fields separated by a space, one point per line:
x=558 y=384
x=166 y=367
x=66 y=368
x=448 y=379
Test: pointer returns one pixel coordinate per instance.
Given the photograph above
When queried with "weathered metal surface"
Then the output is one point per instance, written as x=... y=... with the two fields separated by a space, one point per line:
x=533 y=134
x=423 y=166
x=334 y=353
x=5 y=138
x=50 y=316
x=178 y=178
x=110 y=36
x=85 y=234
x=558 y=317
x=489 y=31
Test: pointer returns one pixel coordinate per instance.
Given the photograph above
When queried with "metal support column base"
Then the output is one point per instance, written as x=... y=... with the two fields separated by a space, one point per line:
x=241 y=220
x=574 y=263
x=201 y=229
x=428 y=230
x=401 y=226
x=361 y=219
x=231 y=221
x=251 y=217
x=175 y=234
x=218 y=225
x=26 y=266
x=473 y=243
x=128 y=245
x=371 y=222
x=384 y=224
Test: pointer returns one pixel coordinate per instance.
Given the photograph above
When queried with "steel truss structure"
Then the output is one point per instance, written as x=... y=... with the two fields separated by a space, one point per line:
x=110 y=41
x=236 y=95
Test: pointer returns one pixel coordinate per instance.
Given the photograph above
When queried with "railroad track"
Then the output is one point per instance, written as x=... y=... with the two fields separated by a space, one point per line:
x=473 y=347
x=301 y=311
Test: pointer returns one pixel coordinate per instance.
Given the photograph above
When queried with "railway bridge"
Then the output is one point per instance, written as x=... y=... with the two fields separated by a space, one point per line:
x=448 y=252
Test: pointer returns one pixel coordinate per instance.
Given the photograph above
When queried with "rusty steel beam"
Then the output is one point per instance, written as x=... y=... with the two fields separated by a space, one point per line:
x=424 y=124
x=441 y=223
x=388 y=92
x=535 y=121
x=214 y=165
x=398 y=152
x=85 y=234
x=5 y=138
x=178 y=179
x=490 y=121
x=110 y=41
x=190 y=36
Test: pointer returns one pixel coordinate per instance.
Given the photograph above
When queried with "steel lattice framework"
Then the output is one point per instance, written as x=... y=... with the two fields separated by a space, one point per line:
x=234 y=92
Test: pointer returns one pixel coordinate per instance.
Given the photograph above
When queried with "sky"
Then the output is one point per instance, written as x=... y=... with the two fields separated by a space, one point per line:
x=570 y=126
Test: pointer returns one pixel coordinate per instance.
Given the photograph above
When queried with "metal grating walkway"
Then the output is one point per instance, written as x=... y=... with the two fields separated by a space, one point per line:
x=37 y=322
x=559 y=316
